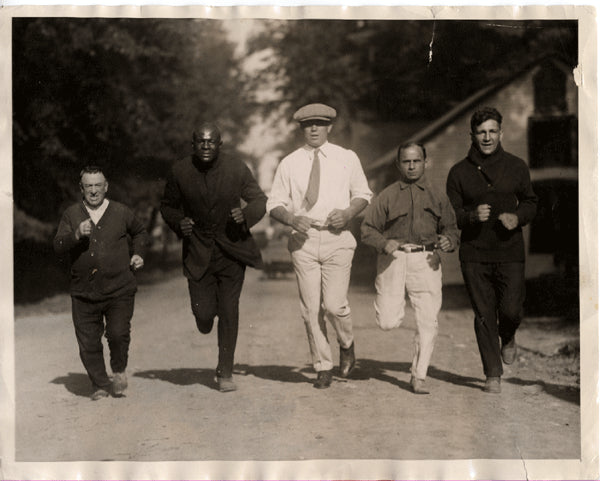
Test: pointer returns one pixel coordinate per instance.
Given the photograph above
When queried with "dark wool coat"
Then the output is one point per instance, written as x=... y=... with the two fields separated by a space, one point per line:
x=207 y=197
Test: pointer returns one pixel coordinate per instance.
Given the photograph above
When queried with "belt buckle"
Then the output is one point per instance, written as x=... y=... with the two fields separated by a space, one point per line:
x=319 y=226
x=409 y=248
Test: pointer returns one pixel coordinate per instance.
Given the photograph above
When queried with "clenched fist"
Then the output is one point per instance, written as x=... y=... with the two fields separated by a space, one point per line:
x=238 y=215
x=482 y=213
x=509 y=221
x=136 y=262
x=84 y=229
x=187 y=225
x=391 y=246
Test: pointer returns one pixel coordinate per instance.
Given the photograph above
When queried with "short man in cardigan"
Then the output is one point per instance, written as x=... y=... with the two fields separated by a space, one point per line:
x=94 y=235
x=492 y=196
x=407 y=223
x=201 y=204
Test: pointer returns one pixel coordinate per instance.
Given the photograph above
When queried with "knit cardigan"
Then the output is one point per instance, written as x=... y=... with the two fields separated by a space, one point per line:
x=99 y=263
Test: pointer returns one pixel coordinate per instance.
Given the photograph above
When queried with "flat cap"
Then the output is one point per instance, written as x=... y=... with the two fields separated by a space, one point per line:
x=315 y=111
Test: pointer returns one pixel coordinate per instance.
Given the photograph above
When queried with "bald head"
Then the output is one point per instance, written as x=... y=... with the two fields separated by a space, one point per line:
x=206 y=141
x=207 y=130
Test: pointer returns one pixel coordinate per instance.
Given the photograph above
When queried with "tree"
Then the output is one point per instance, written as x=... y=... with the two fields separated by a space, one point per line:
x=400 y=69
x=121 y=93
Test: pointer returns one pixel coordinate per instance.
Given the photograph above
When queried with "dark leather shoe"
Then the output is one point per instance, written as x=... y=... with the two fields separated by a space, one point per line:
x=226 y=384
x=119 y=383
x=347 y=360
x=492 y=385
x=98 y=394
x=323 y=379
x=509 y=351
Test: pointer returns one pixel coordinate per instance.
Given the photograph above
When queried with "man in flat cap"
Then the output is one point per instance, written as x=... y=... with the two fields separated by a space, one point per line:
x=201 y=204
x=318 y=189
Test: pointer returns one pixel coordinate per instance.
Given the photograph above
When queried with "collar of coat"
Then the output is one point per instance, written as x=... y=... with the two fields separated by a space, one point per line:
x=477 y=158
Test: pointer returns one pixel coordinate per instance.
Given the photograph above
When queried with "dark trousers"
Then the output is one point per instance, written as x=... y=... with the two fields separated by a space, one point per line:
x=88 y=319
x=217 y=293
x=497 y=292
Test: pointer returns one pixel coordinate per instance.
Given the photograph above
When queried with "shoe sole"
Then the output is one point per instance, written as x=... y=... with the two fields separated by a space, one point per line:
x=227 y=389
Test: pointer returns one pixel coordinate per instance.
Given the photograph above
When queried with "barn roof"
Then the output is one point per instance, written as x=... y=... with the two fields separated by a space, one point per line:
x=437 y=125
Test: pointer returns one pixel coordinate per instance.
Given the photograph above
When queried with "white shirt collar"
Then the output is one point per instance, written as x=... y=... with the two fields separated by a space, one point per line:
x=322 y=149
x=96 y=214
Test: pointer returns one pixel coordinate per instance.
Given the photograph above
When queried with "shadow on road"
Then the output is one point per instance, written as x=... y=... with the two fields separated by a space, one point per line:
x=371 y=369
x=182 y=376
x=560 y=391
x=277 y=373
x=365 y=369
x=76 y=383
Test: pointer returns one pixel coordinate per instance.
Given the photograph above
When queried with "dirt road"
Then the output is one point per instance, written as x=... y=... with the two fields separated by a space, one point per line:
x=172 y=411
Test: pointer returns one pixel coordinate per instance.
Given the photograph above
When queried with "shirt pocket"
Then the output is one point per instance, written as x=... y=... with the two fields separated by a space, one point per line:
x=432 y=210
x=397 y=215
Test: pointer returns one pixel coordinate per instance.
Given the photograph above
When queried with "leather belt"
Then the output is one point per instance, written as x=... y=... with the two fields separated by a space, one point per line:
x=409 y=249
x=321 y=227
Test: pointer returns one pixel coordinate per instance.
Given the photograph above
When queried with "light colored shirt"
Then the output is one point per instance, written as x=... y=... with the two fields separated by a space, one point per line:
x=96 y=214
x=342 y=180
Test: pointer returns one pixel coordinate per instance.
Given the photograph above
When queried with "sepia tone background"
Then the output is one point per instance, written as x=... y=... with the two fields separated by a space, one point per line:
x=125 y=93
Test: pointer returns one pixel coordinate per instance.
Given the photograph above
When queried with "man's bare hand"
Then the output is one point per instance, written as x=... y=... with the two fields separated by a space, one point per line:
x=391 y=246
x=84 y=229
x=187 y=225
x=238 y=215
x=301 y=223
x=444 y=243
x=482 y=213
x=136 y=262
x=510 y=221
x=337 y=218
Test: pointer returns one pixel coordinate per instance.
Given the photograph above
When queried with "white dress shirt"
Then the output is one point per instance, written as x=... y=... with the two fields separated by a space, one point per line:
x=342 y=180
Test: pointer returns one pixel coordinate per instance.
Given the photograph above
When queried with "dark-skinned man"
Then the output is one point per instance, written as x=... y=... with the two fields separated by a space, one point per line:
x=201 y=204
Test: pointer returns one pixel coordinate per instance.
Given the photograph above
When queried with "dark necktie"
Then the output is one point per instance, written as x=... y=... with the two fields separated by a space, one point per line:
x=312 y=191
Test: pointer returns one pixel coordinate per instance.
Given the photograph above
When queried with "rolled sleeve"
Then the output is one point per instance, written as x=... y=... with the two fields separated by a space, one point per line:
x=359 y=186
x=280 y=195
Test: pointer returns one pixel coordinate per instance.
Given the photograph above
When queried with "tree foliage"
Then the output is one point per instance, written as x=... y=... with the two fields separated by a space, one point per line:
x=402 y=70
x=121 y=93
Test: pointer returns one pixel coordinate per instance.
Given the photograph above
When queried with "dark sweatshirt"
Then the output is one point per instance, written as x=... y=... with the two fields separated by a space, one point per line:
x=502 y=181
x=100 y=263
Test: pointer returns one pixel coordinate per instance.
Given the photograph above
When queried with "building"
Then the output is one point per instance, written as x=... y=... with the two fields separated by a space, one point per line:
x=539 y=108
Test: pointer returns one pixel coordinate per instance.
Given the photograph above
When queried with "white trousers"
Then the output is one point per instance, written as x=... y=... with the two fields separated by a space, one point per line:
x=322 y=261
x=420 y=274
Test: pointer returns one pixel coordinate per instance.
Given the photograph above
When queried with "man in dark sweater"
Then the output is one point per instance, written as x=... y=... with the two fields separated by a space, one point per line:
x=93 y=234
x=492 y=196
x=201 y=204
